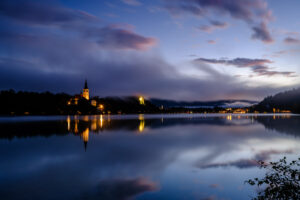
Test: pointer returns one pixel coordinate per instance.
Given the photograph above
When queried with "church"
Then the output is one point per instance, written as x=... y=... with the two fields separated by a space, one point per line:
x=85 y=94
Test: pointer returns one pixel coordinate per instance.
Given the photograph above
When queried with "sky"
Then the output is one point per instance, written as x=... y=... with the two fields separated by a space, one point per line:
x=171 y=49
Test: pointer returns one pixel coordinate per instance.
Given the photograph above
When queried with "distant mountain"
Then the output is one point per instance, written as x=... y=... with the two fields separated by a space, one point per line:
x=289 y=101
x=203 y=104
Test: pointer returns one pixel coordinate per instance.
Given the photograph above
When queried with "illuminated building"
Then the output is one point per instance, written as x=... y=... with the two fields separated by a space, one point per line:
x=239 y=111
x=142 y=100
x=85 y=92
x=94 y=103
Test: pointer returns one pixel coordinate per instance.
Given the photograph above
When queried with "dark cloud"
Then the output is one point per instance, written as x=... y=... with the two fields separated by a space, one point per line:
x=111 y=37
x=76 y=22
x=246 y=163
x=250 y=11
x=262 y=33
x=60 y=64
x=246 y=10
x=290 y=40
x=258 y=66
x=42 y=14
x=124 y=189
x=213 y=26
x=64 y=55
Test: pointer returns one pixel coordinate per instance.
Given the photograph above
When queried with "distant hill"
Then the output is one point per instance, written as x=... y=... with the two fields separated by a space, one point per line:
x=203 y=104
x=289 y=100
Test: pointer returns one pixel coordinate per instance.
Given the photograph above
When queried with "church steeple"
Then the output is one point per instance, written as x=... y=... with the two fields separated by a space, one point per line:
x=86 y=93
x=85 y=85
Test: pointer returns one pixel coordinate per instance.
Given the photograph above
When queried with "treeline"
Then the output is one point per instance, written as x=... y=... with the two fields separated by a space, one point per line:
x=46 y=103
x=284 y=101
x=20 y=103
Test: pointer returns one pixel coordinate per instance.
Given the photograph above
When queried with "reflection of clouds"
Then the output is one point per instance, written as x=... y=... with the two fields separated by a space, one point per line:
x=124 y=189
x=246 y=163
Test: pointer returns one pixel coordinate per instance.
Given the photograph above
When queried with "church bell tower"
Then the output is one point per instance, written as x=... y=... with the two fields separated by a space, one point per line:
x=86 y=93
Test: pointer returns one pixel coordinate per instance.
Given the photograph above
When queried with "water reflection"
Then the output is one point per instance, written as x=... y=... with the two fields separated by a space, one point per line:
x=141 y=157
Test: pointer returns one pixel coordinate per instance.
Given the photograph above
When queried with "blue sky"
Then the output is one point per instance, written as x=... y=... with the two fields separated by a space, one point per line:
x=183 y=50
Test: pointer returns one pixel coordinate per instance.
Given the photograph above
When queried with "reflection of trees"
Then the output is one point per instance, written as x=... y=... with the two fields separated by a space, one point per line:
x=283 y=124
x=98 y=124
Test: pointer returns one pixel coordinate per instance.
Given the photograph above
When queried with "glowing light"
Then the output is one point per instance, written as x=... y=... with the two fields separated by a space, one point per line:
x=85 y=135
x=142 y=100
x=142 y=126
x=229 y=117
x=94 y=103
x=69 y=123
x=101 y=106
x=101 y=121
x=76 y=126
x=142 y=123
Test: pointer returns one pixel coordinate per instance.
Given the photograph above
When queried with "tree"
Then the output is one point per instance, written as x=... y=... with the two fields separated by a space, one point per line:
x=282 y=180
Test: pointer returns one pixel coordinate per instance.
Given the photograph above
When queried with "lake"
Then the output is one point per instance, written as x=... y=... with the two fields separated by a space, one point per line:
x=145 y=157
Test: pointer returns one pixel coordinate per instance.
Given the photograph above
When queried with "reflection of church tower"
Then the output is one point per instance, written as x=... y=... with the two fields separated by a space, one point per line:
x=85 y=137
x=86 y=93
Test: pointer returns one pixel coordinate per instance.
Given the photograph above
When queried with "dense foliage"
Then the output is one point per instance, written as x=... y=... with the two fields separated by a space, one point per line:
x=46 y=103
x=289 y=100
x=281 y=182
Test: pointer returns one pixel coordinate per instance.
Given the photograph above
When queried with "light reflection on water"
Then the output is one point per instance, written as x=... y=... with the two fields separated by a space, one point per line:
x=140 y=156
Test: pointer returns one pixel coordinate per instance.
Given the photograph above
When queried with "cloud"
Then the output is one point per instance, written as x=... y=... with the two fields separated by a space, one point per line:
x=247 y=163
x=117 y=38
x=250 y=11
x=262 y=33
x=238 y=62
x=76 y=22
x=42 y=14
x=65 y=54
x=246 y=10
x=211 y=41
x=258 y=66
x=290 y=40
x=132 y=2
x=214 y=25
x=124 y=189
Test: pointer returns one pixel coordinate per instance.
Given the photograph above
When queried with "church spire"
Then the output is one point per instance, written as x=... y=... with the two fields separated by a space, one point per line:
x=85 y=85
x=85 y=92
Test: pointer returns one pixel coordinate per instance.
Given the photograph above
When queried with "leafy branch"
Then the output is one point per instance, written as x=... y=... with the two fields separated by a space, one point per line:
x=282 y=180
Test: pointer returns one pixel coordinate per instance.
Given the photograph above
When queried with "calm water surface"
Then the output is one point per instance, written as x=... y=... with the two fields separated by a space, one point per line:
x=140 y=156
